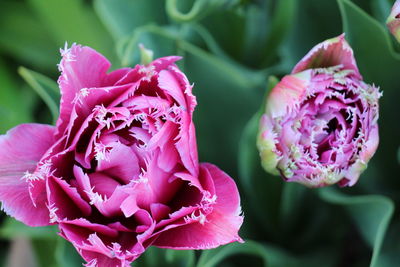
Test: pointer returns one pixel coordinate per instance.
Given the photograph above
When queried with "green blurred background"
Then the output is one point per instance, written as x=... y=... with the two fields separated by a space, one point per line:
x=232 y=51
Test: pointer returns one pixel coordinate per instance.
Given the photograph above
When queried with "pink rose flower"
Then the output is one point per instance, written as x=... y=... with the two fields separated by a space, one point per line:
x=320 y=122
x=119 y=172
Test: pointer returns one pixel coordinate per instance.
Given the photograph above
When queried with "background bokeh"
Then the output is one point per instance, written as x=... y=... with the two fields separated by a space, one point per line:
x=233 y=51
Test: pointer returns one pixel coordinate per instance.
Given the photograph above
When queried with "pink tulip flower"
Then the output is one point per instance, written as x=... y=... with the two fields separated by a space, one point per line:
x=119 y=172
x=320 y=122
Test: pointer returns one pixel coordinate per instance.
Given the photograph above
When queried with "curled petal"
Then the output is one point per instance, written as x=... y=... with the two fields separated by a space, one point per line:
x=81 y=68
x=287 y=94
x=393 y=21
x=21 y=149
x=177 y=86
x=219 y=227
x=332 y=52
x=371 y=145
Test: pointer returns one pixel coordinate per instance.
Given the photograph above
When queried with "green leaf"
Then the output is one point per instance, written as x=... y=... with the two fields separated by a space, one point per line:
x=262 y=190
x=227 y=97
x=381 y=9
x=23 y=36
x=398 y=154
x=221 y=41
x=162 y=41
x=45 y=251
x=371 y=213
x=199 y=9
x=309 y=30
x=180 y=258
x=238 y=30
x=154 y=257
x=391 y=246
x=291 y=200
x=12 y=228
x=3 y=256
x=45 y=87
x=66 y=255
x=281 y=23
x=122 y=17
x=13 y=108
x=50 y=249
x=270 y=257
x=355 y=22
x=73 y=21
x=379 y=64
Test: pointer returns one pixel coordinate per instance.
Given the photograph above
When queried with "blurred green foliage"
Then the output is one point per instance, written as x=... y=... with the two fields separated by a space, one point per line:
x=231 y=50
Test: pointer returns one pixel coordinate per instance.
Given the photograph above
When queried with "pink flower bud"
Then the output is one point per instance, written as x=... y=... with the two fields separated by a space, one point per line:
x=320 y=122
x=393 y=21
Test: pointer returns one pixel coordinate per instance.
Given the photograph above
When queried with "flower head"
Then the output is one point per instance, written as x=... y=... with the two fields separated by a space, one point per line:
x=393 y=21
x=119 y=172
x=320 y=122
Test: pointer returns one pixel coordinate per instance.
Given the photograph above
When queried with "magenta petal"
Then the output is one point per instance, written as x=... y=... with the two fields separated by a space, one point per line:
x=83 y=227
x=113 y=205
x=228 y=199
x=187 y=147
x=129 y=206
x=88 y=109
x=107 y=206
x=332 y=52
x=220 y=227
x=81 y=68
x=21 y=149
x=103 y=184
x=158 y=181
x=121 y=163
x=159 y=211
x=182 y=79
x=169 y=157
x=168 y=82
x=164 y=62
x=65 y=199
x=95 y=259
x=113 y=77
x=165 y=134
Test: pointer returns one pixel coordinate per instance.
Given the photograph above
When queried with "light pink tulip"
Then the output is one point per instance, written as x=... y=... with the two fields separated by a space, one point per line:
x=320 y=122
x=120 y=171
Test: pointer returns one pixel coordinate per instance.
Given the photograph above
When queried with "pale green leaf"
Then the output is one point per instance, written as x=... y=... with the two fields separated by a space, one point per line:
x=46 y=88
x=13 y=108
x=12 y=228
x=73 y=21
x=371 y=213
x=122 y=17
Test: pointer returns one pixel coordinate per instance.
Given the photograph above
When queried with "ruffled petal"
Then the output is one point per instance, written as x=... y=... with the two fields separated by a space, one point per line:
x=393 y=21
x=220 y=227
x=81 y=68
x=288 y=93
x=164 y=62
x=121 y=163
x=332 y=52
x=176 y=85
x=21 y=149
